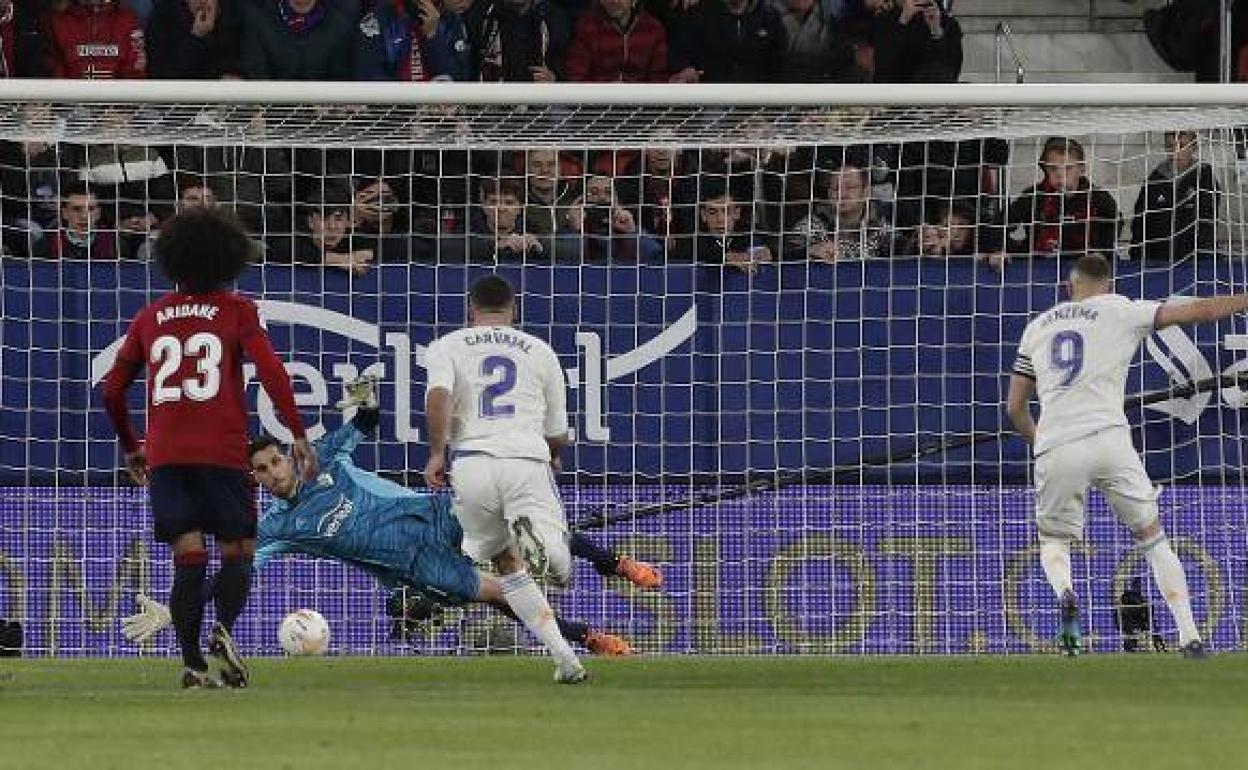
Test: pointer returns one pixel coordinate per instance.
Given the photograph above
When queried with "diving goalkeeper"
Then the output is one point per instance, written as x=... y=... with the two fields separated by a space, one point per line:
x=406 y=540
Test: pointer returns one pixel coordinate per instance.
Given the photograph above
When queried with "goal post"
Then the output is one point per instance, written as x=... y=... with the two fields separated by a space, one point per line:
x=785 y=314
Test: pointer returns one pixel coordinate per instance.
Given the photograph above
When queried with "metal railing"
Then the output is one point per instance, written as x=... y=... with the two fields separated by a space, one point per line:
x=1005 y=43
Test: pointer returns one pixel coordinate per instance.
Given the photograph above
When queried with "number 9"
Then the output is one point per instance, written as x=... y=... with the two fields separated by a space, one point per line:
x=1066 y=353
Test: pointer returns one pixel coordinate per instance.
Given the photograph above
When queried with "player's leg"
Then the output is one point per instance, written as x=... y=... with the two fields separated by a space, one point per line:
x=608 y=563
x=480 y=508
x=175 y=519
x=1133 y=498
x=229 y=495
x=1061 y=492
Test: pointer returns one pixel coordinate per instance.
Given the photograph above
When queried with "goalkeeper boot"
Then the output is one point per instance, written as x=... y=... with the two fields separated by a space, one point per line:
x=198 y=680
x=607 y=645
x=1070 y=640
x=221 y=647
x=639 y=573
x=574 y=673
x=1196 y=650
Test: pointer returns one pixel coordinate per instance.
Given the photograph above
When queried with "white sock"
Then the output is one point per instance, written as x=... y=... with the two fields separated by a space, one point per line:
x=1055 y=559
x=530 y=605
x=1172 y=582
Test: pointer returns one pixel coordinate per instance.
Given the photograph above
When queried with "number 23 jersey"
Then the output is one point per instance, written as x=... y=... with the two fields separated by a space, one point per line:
x=507 y=391
x=1079 y=353
x=193 y=347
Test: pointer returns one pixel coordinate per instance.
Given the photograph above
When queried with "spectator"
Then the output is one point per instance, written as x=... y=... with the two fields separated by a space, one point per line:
x=23 y=40
x=817 y=51
x=325 y=238
x=618 y=42
x=97 y=39
x=299 y=40
x=596 y=228
x=29 y=195
x=949 y=232
x=375 y=222
x=1063 y=214
x=193 y=192
x=914 y=41
x=729 y=41
x=390 y=45
x=666 y=188
x=544 y=190
x=1177 y=206
x=448 y=49
x=847 y=225
x=81 y=235
x=497 y=231
x=136 y=225
x=195 y=39
x=256 y=180
x=520 y=40
x=722 y=238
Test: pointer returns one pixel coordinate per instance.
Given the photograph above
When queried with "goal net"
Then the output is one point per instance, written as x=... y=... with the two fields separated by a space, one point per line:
x=785 y=318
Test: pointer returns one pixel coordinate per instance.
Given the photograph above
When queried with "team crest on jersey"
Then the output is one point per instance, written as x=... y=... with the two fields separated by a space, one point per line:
x=325 y=480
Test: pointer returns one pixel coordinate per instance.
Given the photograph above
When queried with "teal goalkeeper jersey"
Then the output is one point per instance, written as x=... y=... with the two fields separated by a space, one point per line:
x=348 y=514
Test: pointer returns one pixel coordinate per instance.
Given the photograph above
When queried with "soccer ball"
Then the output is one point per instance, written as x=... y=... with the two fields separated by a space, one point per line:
x=304 y=632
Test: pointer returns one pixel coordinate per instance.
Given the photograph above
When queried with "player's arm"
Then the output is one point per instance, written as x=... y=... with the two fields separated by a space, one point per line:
x=556 y=425
x=361 y=395
x=276 y=383
x=126 y=367
x=1200 y=310
x=438 y=405
x=1018 y=406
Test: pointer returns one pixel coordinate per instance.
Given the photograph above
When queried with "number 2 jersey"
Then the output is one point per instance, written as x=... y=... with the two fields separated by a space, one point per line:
x=507 y=391
x=1079 y=354
x=193 y=346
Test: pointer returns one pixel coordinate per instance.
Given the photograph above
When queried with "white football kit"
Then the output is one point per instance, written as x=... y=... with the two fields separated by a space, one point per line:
x=1079 y=353
x=507 y=395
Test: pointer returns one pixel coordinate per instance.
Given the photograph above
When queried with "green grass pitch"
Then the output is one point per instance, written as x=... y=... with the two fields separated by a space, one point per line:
x=1107 y=711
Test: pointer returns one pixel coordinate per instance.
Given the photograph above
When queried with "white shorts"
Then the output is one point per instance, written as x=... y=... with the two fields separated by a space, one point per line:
x=506 y=501
x=1106 y=461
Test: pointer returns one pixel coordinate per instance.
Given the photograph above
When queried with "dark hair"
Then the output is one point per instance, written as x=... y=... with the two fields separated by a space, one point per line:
x=203 y=250
x=77 y=188
x=500 y=187
x=1061 y=144
x=1094 y=266
x=491 y=293
x=261 y=443
x=186 y=182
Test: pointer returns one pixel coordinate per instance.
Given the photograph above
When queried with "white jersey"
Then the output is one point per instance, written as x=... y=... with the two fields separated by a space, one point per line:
x=1079 y=353
x=507 y=391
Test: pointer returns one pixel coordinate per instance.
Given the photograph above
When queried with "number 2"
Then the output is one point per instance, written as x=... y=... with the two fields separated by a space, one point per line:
x=168 y=351
x=1066 y=353
x=490 y=367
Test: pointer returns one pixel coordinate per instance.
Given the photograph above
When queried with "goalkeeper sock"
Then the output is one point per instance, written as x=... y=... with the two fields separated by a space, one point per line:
x=605 y=560
x=530 y=605
x=233 y=584
x=572 y=630
x=186 y=605
x=1172 y=581
x=1055 y=559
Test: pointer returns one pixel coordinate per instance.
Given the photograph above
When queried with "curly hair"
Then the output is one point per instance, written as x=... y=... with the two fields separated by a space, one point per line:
x=203 y=250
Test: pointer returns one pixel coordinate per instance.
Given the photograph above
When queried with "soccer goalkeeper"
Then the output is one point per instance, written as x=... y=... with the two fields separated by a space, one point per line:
x=408 y=541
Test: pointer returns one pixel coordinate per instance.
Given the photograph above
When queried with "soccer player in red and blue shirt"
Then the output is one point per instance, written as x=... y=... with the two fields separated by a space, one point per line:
x=194 y=460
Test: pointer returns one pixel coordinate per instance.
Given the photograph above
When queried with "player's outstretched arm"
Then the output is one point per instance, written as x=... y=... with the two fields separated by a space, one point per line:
x=1202 y=310
x=1018 y=406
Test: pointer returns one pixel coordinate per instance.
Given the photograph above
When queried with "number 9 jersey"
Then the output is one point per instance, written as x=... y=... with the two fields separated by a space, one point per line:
x=193 y=346
x=1079 y=353
x=507 y=391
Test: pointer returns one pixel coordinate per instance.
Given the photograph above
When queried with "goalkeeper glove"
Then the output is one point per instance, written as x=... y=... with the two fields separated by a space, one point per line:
x=410 y=609
x=360 y=392
x=151 y=618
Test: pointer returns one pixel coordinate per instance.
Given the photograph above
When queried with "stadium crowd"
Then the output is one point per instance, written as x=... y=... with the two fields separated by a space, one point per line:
x=742 y=206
